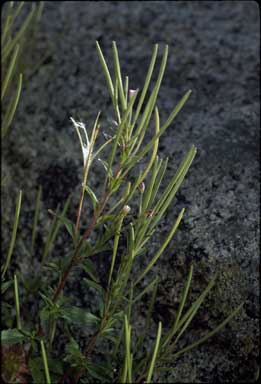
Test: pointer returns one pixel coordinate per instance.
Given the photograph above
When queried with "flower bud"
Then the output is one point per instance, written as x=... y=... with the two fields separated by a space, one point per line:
x=142 y=187
x=126 y=210
x=132 y=92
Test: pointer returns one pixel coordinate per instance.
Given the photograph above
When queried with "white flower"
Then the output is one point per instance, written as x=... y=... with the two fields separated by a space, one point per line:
x=85 y=146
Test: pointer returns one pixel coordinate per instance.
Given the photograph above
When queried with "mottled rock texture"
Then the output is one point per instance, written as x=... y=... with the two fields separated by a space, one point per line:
x=213 y=50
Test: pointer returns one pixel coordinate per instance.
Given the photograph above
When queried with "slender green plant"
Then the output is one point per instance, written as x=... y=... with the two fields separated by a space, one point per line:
x=124 y=214
x=13 y=45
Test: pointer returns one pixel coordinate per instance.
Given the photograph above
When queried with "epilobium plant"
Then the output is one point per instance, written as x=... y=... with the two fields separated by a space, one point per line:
x=125 y=214
x=14 y=43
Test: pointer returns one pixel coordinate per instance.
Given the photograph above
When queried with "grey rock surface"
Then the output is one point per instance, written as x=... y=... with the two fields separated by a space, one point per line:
x=213 y=50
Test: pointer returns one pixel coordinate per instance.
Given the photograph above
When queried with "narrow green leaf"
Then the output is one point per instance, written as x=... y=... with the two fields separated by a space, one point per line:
x=46 y=299
x=93 y=285
x=150 y=186
x=5 y=285
x=147 y=147
x=170 y=334
x=106 y=167
x=45 y=363
x=164 y=245
x=48 y=243
x=118 y=342
x=89 y=268
x=101 y=148
x=18 y=9
x=151 y=103
x=105 y=69
x=160 y=175
x=154 y=356
x=143 y=174
x=8 y=48
x=17 y=305
x=146 y=84
x=120 y=129
x=115 y=248
x=72 y=347
x=170 y=192
x=11 y=108
x=176 y=110
x=128 y=349
x=36 y=216
x=80 y=316
x=210 y=334
x=146 y=289
x=92 y=196
x=15 y=226
x=7 y=25
x=184 y=298
x=58 y=220
x=148 y=319
x=118 y=74
x=191 y=312
x=101 y=372
x=126 y=88
x=10 y=71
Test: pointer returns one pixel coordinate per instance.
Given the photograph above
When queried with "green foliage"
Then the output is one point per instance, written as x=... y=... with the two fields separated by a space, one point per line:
x=111 y=351
x=14 y=44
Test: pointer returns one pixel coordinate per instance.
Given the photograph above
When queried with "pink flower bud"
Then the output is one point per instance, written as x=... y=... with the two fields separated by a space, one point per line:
x=126 y=210
x=142 y=187
x=132 y=92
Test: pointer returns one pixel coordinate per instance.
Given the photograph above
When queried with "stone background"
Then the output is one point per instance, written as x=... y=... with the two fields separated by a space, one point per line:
x=213 y=50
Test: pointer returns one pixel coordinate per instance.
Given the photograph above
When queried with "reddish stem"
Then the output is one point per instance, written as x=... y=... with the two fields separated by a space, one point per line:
x=74 y=259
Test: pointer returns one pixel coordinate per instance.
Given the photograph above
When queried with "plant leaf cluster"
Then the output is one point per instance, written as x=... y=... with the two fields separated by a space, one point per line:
x=14 y=43
x=113 y=352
